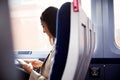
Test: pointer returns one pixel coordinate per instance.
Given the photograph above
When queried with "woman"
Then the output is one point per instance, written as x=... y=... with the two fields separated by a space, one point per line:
x=48 y=22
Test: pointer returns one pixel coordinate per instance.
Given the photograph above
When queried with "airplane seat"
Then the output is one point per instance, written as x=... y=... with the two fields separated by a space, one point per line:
x=62 y=41
x=73 y=48
x=78 y=44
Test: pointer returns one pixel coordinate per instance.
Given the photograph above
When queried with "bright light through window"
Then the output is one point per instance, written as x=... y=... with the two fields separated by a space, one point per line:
x=117 y=21
x=26 y=27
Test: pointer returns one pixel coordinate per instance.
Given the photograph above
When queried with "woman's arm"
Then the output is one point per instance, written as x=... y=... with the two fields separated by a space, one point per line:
x=33 y=74
x=30 y=64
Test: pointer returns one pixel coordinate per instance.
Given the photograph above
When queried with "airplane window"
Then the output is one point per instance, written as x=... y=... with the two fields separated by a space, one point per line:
x=87 y=8
x=116 y=21
x=25 y=21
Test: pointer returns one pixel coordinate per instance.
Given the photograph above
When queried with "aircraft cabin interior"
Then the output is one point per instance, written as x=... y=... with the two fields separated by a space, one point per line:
x=86 y=45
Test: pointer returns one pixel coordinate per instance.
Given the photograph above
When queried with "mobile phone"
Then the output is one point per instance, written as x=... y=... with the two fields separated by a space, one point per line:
x=21 y=61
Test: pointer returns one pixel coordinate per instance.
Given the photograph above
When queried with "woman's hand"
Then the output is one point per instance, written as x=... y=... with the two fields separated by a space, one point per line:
x=29 y=64
x=27 y=67
x=35 y=63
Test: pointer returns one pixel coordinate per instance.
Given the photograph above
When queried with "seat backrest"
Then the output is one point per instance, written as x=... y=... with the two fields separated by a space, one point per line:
x=62 y=41
x=78 y=46
x=74 y=44
x=81 y=45
x=84 y=44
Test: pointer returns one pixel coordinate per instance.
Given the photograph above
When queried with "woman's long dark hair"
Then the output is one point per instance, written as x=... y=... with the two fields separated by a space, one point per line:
x=49 y=17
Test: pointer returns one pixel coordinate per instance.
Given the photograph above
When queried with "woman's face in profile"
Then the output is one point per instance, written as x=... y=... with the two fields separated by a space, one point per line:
x=45 y=29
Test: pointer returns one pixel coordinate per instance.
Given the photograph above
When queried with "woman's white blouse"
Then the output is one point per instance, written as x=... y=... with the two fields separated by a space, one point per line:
x=45 y=69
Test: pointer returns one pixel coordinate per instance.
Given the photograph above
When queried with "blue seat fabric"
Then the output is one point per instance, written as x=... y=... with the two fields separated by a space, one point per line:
x=62 y=41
